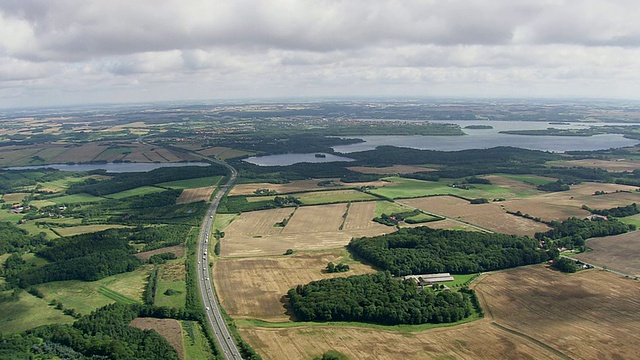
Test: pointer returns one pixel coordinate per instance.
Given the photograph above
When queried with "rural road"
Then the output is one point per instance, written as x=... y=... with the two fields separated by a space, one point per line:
x=205 y=275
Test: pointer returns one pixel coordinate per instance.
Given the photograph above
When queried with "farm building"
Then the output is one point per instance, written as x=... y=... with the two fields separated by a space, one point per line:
x=429 y=279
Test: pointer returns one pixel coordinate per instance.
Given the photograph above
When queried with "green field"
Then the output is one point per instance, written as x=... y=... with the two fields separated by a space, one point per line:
x=86 y=296
x=76 y=199
x=332 y=196
x=192 y=183
x=631 y=220
x=422 y=217
x=84 y=229
x=389 y=207
x=221 y=221
x=143 y=190
x=195 y=345
x=529 y=179
x=410 y=188
x=176 y=300
x=28 y=312
x=62 y=184
x=460 y=279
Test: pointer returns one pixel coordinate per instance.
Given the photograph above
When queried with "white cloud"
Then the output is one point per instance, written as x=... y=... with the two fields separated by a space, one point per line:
x=90 y=50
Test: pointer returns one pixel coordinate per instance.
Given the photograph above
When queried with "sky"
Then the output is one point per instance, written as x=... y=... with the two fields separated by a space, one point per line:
x=59 y=52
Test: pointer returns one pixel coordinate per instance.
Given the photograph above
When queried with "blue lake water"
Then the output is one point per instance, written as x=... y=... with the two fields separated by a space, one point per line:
x=487 y=138
x=110 y=167
x=290 y=159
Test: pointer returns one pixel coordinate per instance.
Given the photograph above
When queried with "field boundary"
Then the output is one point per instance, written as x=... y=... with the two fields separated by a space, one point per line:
x=116 y=296
x=532 y=340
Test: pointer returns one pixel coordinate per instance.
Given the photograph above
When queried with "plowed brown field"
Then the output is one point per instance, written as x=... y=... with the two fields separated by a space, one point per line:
x=255 y=287
x=169 y=329
x=619 y=252
x=194 y=195
x=487 y=216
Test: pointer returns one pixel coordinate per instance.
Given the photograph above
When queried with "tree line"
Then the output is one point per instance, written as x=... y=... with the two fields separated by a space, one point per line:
x=423 y=250
x=376 y=298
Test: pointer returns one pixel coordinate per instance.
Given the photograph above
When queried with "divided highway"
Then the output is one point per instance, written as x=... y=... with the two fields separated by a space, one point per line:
x=205 y=274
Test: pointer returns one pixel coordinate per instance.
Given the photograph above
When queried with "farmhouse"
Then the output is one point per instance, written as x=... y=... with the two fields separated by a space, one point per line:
x=429 y=279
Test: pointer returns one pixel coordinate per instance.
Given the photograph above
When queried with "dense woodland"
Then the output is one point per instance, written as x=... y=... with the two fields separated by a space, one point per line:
x=573 y=232
x=13 y=239
x=126 y=181
x=376 y=298
x=423 y=250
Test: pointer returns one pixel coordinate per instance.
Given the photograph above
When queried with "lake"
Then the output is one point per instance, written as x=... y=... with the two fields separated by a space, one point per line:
x=290 y=159
x=487 y=138
x=110 y=167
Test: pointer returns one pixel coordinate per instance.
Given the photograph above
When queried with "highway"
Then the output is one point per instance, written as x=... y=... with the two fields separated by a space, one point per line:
x=205 y=274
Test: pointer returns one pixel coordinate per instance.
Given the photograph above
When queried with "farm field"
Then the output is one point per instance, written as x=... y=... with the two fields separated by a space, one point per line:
x=169 y=329
x=390 y=207
x=139 y=191
x=254 y=287
x=194 y=195
x=86 y=296
x=476 y=340
x=310 y=228
x=619 y=252
x=410 y=188
x=192 y=183
x=178 y=250
x=76 y=199
x=528 y=319
x=573 y=314
x=390 y=170
x=83 y=229
x=333 y=196
x=531 y=180
x=565 y=204
x=224 y=153
x=172 y=275
x=298 y=186
x=487 y=216
x=609 y=165
x=28 y=312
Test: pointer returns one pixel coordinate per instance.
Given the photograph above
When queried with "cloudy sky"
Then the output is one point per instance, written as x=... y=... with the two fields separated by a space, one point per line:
x=92 y=51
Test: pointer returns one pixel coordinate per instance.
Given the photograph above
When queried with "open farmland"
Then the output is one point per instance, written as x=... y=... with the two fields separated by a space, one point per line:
x=178 y=250
x=84 y=229
x=573 y=314
x=619 y=252
x=535 y=313
x=411 y=188
x=333 y=196
x=223 y=153
x=194 y=195
x=169 y=329
x=390 y=170
x=609 y=165
x=487 y=216
x=565 y=204
x=310 y=228
x=28 y=312
x=254 y=287
x=298 y=186
x=477 y=340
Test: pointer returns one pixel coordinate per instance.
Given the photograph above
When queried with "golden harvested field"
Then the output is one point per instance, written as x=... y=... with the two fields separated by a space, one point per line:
x=80 y=153
x=609 y=165
x=298 y=186
x=477 y=340
x=169 y=329
x=565 y=204
x=395 y=169
x=316 y=219
x=194 y=195
x=535 y=313
x=178 y=250
x=14 y=197
x=84 y=229
x=310 y=228
x=619 y=252
x=592 y=314
x=223 y=153
x=254 y=287
x=487 y=216
x=258 y=222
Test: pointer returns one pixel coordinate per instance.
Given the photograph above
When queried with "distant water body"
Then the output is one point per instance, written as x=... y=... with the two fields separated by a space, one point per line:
x=488 y=138
x=109 y=167
x=290 y=159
